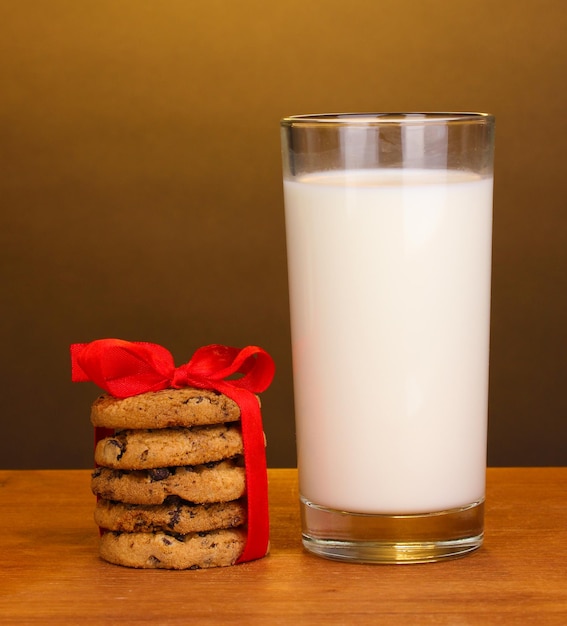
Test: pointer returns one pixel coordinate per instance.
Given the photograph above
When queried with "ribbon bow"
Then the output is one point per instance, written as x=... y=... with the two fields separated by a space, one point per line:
x=124 y=368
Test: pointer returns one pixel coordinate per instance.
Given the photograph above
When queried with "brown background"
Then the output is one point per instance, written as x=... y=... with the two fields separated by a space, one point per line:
x=141 y=194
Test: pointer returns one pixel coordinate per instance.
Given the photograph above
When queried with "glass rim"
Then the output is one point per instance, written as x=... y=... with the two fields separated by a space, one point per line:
x=379 y=119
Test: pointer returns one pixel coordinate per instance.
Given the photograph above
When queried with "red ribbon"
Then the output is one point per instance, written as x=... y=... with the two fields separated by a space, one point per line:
x=124 y=368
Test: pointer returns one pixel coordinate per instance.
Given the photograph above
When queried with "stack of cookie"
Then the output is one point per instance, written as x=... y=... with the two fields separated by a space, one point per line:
x=170 y=479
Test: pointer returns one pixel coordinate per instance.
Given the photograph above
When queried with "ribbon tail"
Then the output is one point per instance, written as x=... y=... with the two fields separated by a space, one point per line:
x=258 y=534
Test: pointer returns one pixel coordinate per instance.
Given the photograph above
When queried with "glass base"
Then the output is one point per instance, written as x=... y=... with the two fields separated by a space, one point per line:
x=369 y=538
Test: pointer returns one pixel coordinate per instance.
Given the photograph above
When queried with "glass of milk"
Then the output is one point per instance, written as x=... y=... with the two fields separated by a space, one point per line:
x=388 y=223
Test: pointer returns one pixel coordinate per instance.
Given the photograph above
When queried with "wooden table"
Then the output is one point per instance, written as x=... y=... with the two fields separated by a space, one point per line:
x=51 y=574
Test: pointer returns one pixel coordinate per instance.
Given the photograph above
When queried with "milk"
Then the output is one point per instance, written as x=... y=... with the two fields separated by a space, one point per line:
x=390 y=304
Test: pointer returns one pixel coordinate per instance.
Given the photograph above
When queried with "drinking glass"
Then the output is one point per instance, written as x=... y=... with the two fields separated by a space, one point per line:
x=388 y=226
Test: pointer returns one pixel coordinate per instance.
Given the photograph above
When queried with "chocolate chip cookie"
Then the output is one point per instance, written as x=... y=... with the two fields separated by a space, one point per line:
x=165 y=447
x=217 y=548
x=174 y=516
x=213 y=482
x=164 y=409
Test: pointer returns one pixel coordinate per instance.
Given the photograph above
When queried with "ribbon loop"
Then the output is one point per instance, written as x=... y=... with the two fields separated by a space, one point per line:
x=215 y=363
x=124 y=369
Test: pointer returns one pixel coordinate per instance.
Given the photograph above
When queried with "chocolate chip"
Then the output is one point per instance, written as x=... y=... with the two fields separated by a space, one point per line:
x=174 y=516
x=121 y=445
x=153 y=560
x=159 y=473
x=166 y=541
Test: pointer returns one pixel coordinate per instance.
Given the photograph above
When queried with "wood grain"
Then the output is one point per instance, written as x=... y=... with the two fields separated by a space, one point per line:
x=51 y=573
